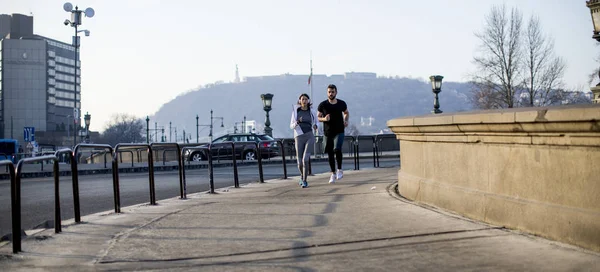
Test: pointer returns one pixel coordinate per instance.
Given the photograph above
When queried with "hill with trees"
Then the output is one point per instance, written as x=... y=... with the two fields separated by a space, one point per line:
x=372 y=101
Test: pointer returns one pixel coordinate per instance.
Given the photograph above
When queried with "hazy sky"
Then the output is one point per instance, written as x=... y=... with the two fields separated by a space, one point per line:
x=142 y=54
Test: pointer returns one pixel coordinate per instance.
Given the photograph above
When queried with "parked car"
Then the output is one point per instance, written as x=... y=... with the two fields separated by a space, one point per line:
x=221 y=148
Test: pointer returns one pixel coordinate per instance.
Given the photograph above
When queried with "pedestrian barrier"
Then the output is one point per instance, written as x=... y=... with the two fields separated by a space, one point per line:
x=165 y=147
x=15 y=172
x=258 y=157
x=282 y=148
x=378 y=140
x=16 y=209
x=128 y=151
x=211 y=178
x=16 y=217
x=369 y=137
x=75 y=174
x=183 y=152
x=236 y=181
x=69 y=152
x=96 y=153
x=118 y=147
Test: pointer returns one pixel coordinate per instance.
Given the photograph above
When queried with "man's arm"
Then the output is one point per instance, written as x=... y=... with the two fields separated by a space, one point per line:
x=322 y=118
x=346 y=116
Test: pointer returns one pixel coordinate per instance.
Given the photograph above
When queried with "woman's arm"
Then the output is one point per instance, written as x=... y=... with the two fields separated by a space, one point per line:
x=293 y=122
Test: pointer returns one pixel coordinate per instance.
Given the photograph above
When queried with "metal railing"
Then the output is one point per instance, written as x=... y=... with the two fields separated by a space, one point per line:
x=15 y=214
x=15 y=172
x=378 y=142
x=173 y=147
x=16 y=209
x=118 y=147
x=75 y=174
x=183 y=153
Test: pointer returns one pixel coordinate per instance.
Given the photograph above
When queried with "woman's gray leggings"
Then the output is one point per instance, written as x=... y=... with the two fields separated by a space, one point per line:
x=305 y=144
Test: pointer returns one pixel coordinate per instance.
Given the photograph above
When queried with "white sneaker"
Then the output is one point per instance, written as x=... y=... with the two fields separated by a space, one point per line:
x=332 y=179
x=340 y=174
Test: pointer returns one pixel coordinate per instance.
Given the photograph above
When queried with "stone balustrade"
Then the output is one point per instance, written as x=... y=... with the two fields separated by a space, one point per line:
x=531 y=169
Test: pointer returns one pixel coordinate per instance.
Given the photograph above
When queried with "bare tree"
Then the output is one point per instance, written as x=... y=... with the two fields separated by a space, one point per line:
x=123 y=128
x=499 y=63
x=594 y=76
x=483 y=96
x=543 y=70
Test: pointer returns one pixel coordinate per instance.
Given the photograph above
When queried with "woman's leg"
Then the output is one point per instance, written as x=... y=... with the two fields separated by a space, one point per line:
x=308 y=147
x=300 y=149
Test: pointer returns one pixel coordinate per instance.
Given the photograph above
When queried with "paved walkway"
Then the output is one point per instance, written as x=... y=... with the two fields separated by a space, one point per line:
x=357 y=224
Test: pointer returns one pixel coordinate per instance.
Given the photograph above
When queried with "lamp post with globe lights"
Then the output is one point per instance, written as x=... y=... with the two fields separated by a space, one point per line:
x=76 y=16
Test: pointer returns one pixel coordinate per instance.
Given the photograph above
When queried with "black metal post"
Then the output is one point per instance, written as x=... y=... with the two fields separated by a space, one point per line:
x=236 y=181
x=268 y=129
x=197 y=137
x=282 y=148
x=260 y=166
x=211 y=180
x=211 y=126
x=76 y=45
x=436 y=102
x=147 y=129
x=57 y=221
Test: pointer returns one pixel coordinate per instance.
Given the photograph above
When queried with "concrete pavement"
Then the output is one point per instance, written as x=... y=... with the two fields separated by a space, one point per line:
x=356 y=224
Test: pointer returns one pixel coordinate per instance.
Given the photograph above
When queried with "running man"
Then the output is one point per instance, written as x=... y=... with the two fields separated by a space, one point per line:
x=334 y=114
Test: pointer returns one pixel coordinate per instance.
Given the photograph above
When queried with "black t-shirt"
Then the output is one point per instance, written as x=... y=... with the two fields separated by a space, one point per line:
x=335 y=125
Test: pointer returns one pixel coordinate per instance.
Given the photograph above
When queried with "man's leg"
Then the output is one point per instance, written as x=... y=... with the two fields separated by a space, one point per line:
x=339 y=142
x=329 y=145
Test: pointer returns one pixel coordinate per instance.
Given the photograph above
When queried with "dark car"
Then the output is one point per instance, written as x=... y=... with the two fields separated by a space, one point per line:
x=244 y=148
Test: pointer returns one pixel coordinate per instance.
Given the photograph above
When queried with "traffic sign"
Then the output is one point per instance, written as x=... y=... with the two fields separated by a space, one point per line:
x=28 y=134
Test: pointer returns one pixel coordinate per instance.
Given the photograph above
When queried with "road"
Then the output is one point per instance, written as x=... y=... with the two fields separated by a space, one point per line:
x=96 y=193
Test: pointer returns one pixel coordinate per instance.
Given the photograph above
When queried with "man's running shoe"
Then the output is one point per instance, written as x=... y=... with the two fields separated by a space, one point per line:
x=333 y=178
x=340 y=174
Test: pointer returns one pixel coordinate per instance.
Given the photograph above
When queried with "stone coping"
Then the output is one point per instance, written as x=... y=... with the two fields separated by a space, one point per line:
x=570 y=118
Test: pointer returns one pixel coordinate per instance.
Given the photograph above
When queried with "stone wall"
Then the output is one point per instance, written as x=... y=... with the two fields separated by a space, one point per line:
x=532 y=169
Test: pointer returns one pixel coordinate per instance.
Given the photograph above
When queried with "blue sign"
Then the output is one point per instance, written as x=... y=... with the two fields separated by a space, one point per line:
x=28 y=134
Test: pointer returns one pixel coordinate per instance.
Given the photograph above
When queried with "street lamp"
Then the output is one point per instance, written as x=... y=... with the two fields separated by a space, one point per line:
x=594 y=6
x=87 y=118
x=211 y=124
x=436 y=86
x=147 y=129
x=74 y=22
x=267 y=99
